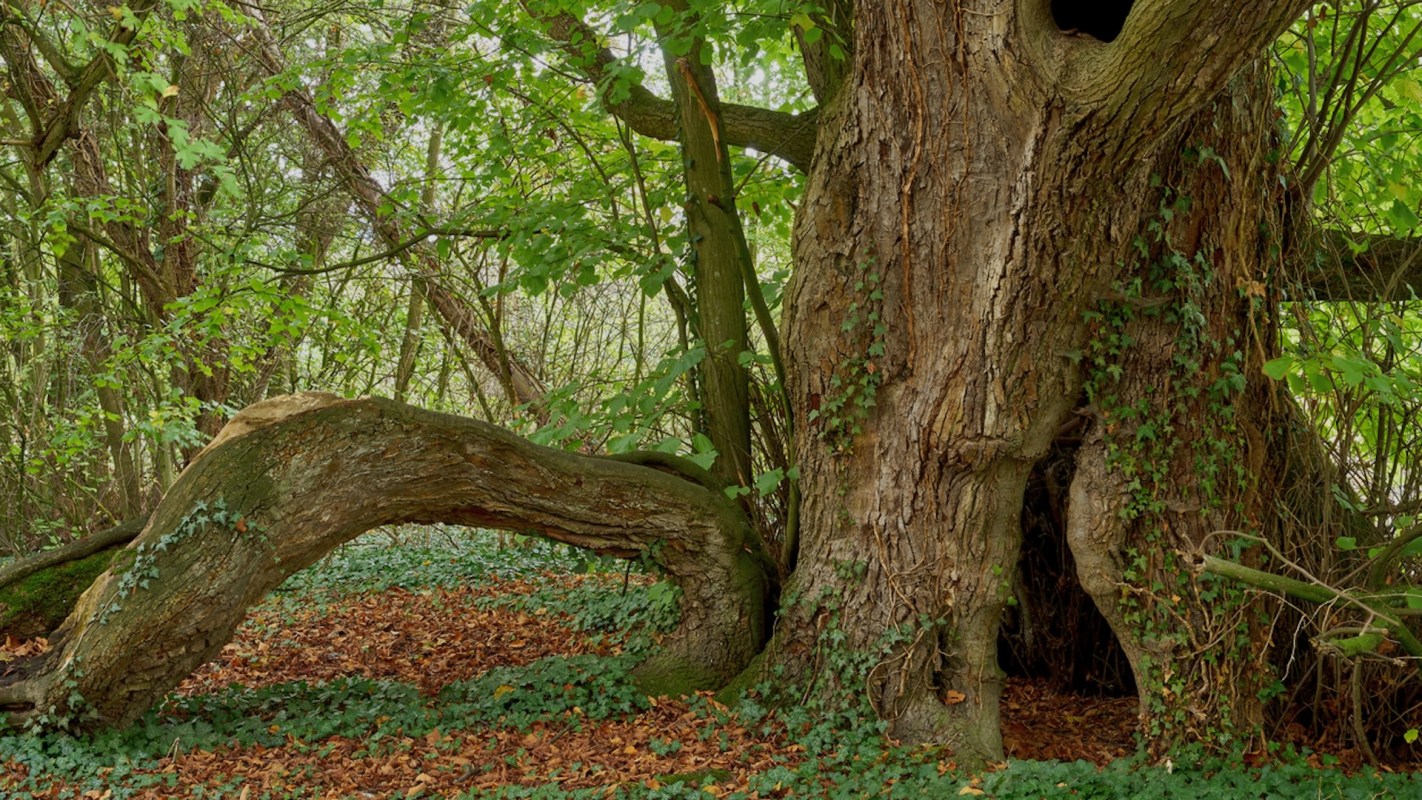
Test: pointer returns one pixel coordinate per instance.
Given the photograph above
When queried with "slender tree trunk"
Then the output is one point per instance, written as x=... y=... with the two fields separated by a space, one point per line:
x=415 y=310
x=55 y=118
x=720 y=258
x=78 y=291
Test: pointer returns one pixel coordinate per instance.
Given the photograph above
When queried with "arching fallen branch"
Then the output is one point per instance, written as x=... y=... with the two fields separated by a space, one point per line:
x=288 y=487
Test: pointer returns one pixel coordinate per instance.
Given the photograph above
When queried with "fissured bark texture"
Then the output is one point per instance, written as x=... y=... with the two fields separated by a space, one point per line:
x=977 y=194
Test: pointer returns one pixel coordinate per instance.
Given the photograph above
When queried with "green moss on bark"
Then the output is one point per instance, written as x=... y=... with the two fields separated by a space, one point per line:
x=670 y=674
x=37 y=604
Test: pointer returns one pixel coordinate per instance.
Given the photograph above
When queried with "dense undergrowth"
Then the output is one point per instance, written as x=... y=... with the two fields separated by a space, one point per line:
x=468 y=733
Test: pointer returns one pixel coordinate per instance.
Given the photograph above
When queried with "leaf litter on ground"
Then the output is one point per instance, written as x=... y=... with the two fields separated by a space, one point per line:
x=491 y=682
x=433 y=640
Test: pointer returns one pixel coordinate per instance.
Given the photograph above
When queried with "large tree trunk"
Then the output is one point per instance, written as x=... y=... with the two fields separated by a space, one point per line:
x=979 y=183
x=290 y=478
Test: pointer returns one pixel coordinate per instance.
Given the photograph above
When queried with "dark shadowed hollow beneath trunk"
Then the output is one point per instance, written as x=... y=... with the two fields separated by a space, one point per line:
x=1052 y=628
x=1099 y=19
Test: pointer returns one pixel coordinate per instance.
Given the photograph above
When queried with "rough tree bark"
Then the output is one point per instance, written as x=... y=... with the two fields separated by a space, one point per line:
x=977 y=186
x=291 y=478
x=1185 y=436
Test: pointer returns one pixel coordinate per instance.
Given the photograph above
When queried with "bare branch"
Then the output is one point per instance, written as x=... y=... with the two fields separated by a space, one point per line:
x=1365 y=268
x=788 y=136
x=120 y=534
x=394 y=251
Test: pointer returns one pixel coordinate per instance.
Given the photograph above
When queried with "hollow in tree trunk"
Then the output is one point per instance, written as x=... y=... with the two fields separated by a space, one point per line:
x=978 y=188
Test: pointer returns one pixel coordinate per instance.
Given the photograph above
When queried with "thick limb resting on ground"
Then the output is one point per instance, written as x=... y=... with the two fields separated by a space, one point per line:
x=273 y=497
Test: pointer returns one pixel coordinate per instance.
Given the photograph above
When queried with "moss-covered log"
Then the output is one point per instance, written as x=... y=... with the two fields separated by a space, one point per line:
x=77 y=550
x=293 y=477
x=38 y=592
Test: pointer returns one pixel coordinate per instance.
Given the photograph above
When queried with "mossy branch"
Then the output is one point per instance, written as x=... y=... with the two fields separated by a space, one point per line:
x=122 y=533
x=1389 y=620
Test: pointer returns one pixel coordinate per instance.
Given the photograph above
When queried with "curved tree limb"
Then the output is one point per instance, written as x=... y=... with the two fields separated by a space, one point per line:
x=1184 y=51
x=824 y=70
x=273 y=497
x=788 y=136
x=1170 y=58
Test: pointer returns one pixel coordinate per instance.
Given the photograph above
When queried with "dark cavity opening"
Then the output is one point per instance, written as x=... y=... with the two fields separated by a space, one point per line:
x=1052 y=629
x=1100 y=19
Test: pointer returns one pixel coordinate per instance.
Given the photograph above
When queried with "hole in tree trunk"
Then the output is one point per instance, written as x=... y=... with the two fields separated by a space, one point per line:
x=1100 y=19
x=1053 y=630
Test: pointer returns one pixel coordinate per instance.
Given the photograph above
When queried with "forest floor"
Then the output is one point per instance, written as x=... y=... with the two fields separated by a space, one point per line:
x=509 y=685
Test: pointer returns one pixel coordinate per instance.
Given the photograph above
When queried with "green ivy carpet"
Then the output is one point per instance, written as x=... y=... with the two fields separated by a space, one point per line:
x=502 y=733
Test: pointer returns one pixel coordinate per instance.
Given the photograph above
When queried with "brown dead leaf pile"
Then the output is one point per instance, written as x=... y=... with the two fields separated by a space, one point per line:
x=574 y=756
x=427 y=639
x=431 y=639
x=1039 y=722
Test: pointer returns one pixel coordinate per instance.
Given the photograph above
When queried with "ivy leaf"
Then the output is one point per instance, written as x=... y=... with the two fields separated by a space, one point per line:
x=1277 y=368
